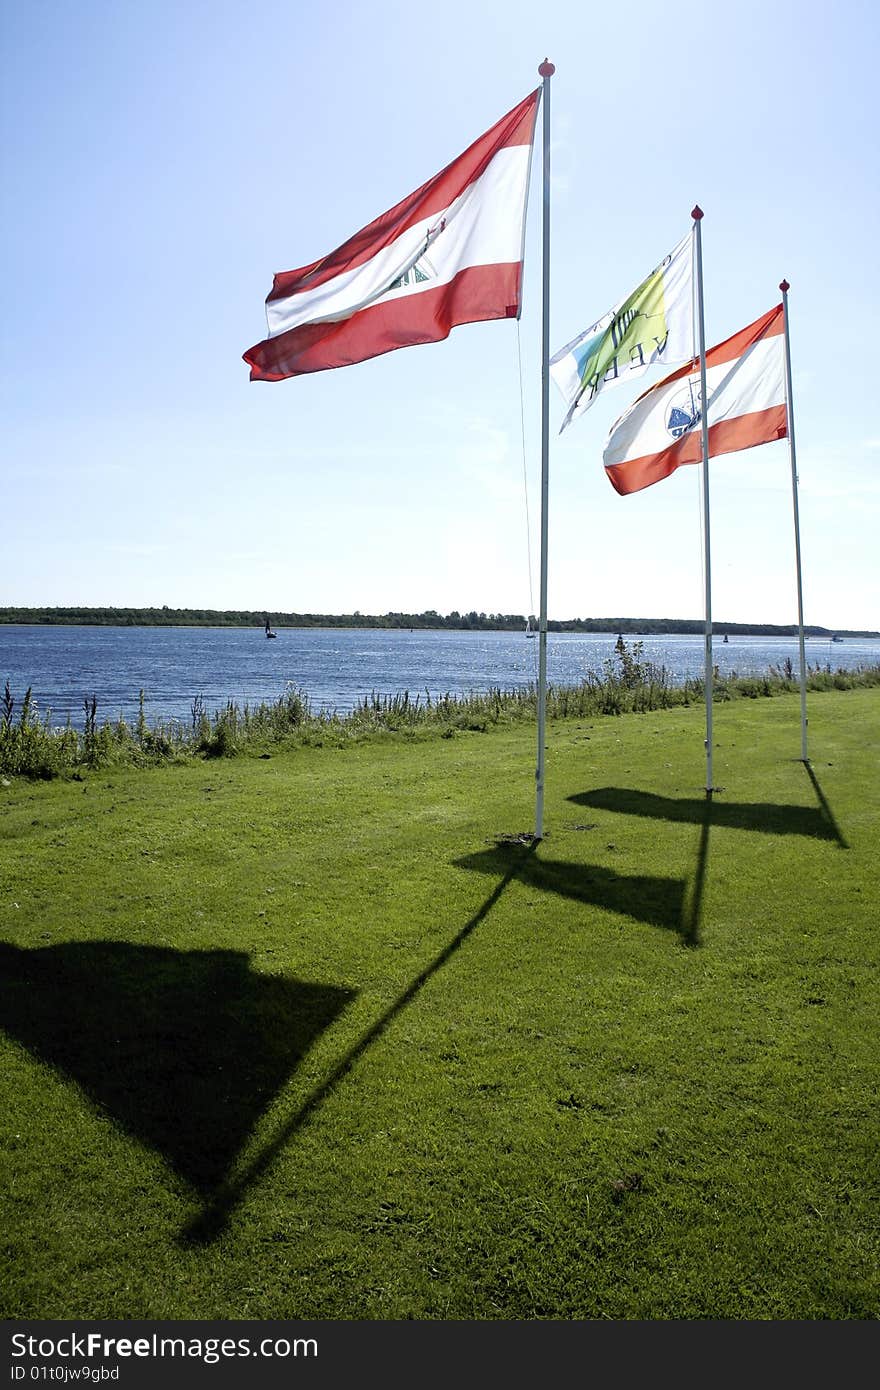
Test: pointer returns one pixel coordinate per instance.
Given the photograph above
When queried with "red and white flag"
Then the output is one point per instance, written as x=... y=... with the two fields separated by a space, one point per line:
x=450 y=253
x=745 y=385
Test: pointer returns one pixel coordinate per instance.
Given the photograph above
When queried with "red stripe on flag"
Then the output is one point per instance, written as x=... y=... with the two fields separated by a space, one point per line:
x=516 y=128
x=474 y=295
x=727 y=437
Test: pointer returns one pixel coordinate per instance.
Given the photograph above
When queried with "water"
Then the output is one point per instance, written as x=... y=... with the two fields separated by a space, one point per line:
x=337 y=667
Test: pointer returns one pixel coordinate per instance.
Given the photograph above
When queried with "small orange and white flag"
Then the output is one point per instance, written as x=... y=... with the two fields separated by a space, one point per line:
x=745 y=390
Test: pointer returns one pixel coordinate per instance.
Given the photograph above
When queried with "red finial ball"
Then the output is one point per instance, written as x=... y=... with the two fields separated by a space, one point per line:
x=784 y=286
x=546 y=69
x=697 y=213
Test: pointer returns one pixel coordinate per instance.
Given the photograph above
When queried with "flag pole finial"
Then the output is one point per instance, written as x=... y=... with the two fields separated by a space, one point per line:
x=697 y=213
x=784 y=286
x=546 y=69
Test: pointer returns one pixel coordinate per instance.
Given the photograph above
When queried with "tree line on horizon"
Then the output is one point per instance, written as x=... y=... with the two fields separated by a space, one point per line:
x=429 y=619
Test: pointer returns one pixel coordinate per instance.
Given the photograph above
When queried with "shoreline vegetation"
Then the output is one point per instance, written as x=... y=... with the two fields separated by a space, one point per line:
x=430 y=619
x=32 y=746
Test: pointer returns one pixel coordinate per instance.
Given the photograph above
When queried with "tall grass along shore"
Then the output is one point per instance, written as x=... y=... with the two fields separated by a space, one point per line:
x=322 y=1033
x=32 y=745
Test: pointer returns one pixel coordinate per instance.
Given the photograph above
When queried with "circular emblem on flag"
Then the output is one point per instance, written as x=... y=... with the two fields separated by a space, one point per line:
x=684 y=410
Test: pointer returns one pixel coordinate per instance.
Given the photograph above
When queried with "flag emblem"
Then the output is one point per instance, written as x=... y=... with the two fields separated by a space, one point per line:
x=421 y=269
x=684 y=411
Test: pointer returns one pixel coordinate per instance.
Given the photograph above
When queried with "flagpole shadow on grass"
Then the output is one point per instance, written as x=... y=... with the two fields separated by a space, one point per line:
x=211 y=1221
x=691 y=922
x=826 y=810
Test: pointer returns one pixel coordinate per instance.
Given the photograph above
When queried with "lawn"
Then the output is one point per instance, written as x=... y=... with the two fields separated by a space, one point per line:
x=322 y=1034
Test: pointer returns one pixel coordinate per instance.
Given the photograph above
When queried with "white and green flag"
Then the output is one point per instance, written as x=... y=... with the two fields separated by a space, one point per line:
x=653 y=324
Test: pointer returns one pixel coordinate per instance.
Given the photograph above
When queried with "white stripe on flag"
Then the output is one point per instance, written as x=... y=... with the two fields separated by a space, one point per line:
x=478 y=230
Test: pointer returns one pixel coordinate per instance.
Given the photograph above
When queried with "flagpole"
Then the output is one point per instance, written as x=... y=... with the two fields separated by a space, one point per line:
x=697 y=215
x=785 y=287
x=545 y=71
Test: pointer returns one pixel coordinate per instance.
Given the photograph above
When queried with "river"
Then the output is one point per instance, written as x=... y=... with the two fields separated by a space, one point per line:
x=337 y=667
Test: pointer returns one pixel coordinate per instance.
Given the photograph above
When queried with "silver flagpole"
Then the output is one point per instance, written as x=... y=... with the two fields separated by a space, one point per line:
x=697 y=215
x=545 y=71
x=789 y=401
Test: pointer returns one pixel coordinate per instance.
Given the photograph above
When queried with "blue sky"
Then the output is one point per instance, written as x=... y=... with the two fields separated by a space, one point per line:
x=161 y=161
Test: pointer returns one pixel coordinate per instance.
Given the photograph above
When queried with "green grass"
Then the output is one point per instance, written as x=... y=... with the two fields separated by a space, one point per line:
x=322 y=1035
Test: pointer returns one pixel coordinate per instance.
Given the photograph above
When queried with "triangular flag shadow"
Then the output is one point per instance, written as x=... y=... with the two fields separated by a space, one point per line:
x=658 y=901
x=768 y=817
x=184 y=1050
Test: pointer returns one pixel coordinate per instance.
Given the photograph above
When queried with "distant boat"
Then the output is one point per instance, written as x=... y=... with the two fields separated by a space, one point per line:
x=835 y=638
x=530 y=631
x=726 y=638
x=269 y=632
